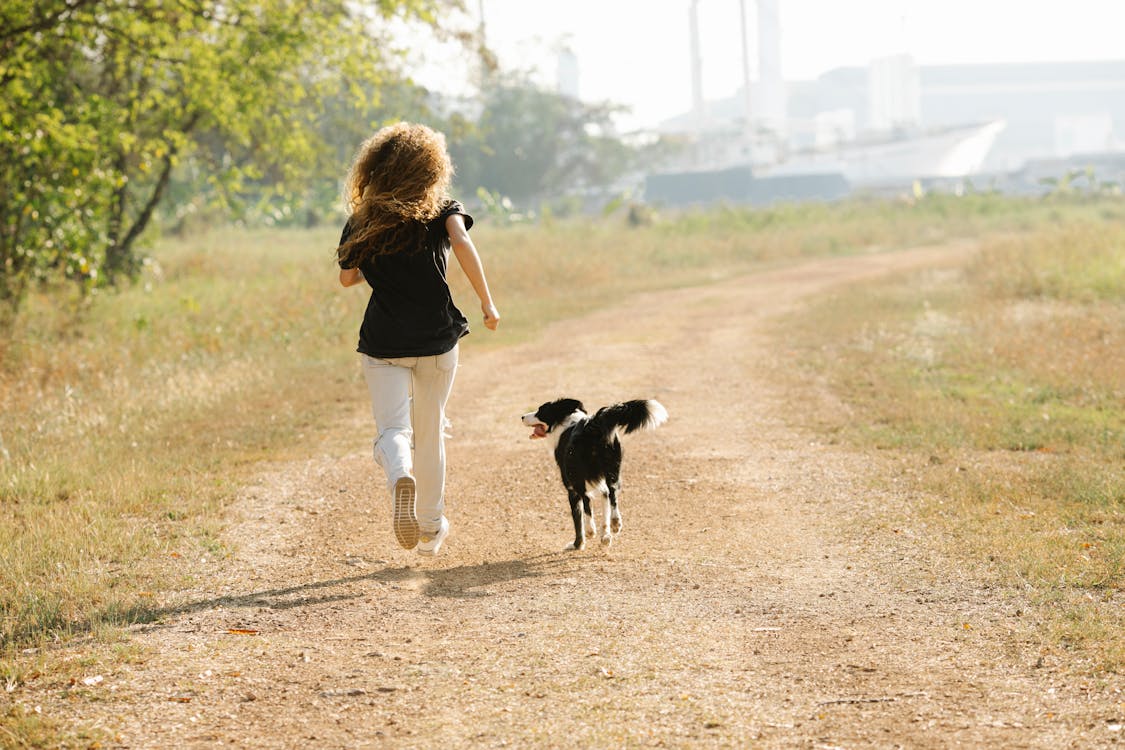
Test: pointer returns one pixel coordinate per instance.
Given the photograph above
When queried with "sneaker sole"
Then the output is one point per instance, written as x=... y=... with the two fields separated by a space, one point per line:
x=405 y=522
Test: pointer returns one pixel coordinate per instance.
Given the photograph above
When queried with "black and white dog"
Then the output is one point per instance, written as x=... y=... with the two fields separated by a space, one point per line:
x=588 y=452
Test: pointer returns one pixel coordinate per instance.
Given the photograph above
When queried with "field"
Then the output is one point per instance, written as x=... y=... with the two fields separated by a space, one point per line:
x=1004 y=381
x=134 y=422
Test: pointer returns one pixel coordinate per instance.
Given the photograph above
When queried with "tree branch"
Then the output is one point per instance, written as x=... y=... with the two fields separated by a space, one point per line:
x=122 y=248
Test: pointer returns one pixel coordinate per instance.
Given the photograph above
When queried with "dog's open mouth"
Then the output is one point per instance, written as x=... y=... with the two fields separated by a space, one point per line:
x=539 y=429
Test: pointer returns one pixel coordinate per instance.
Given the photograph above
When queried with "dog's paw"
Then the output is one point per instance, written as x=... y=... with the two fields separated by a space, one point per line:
x=572 y=547
x=607 y=539
x=615 y=525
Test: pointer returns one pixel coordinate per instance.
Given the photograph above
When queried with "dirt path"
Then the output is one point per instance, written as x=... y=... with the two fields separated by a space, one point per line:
x=758 y=596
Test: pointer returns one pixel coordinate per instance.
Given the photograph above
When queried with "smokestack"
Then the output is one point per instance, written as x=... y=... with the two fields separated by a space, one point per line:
x=771 y=103
x=567 y=74
x=746 y=101
x=697 y=103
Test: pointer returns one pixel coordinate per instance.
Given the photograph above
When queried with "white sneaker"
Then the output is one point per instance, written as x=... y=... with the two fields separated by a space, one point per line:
x=405 y=522
x=430 y=541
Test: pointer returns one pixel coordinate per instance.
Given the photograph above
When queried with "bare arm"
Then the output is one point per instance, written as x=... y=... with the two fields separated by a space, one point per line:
x=350 y=277
x=467 y=256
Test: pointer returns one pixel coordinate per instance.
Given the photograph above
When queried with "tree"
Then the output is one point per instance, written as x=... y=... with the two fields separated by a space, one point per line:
x=101 y=100
x=532 y=144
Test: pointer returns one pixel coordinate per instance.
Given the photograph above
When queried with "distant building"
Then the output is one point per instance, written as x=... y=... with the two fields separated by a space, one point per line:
x=887 y=125
x=1052 y=110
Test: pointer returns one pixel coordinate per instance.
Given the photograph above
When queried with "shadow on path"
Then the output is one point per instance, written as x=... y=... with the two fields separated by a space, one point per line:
x=463 y=581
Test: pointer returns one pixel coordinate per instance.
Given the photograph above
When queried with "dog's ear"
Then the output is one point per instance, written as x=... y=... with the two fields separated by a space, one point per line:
x=555 y=411
x=569 y=406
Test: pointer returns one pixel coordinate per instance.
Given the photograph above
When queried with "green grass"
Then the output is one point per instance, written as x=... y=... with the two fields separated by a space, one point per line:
x=1005 y=379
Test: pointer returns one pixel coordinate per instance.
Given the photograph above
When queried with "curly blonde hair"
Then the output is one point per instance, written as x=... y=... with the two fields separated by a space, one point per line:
x=398 y=181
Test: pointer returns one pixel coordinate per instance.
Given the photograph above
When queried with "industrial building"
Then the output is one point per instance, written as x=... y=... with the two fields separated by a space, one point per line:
x=894 y=123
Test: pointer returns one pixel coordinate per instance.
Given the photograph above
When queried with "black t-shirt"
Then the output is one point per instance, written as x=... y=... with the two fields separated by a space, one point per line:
x=411 y=311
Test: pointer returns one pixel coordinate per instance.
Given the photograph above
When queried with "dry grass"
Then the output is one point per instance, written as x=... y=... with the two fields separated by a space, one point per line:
x=21 y=729
x=130 y=421
x=130 y=418
x=544 y=273
x=133 y=415
x=1005 y=380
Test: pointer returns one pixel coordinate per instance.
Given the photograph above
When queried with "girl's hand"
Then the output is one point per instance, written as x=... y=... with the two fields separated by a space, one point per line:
x=491 y=316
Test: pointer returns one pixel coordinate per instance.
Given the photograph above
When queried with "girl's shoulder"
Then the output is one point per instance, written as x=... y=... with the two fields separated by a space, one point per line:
x=451 y=207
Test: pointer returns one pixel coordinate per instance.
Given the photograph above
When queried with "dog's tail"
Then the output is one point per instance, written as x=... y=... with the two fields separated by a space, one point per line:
x=630 y=416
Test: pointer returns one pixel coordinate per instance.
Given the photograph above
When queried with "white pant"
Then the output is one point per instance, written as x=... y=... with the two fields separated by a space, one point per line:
x=391 y=382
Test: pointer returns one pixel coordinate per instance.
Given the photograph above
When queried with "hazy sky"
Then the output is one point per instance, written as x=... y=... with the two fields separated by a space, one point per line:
x=636 y=52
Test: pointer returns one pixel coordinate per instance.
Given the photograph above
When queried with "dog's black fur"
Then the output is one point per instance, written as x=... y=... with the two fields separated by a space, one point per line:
x=588 y=453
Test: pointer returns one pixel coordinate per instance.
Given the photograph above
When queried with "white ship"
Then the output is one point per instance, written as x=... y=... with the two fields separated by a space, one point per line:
x=946 y=153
